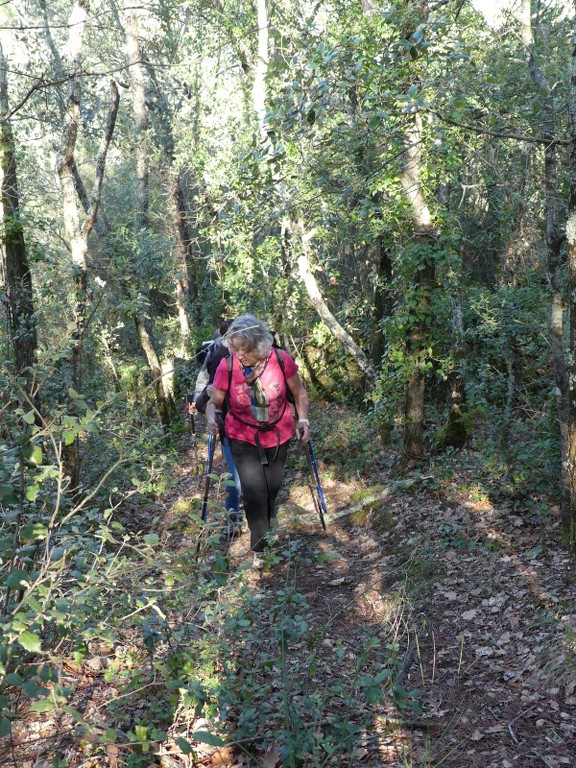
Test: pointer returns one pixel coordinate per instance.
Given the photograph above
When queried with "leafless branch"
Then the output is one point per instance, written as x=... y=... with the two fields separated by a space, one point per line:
x=101 y=160
x=499 y=134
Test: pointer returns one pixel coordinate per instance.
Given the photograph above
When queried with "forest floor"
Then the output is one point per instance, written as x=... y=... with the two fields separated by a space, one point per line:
x=428 y=627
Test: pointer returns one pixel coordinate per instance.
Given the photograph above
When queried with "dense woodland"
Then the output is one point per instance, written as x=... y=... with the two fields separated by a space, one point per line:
x=392 y=186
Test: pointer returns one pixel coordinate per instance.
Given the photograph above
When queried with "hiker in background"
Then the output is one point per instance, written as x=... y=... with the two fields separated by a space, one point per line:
x=202 y=391
x=258 y=418
x=209 y=354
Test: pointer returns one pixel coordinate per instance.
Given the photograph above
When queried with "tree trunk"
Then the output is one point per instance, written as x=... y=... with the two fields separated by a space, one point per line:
x=319 y=304
x=554 y=240
x=413 y=445
x=181 y=264
x=382 y=301
x=164 y=401
x=259 y=82
x=77 y=243
x=455 y=432
x=77 y=235
x=182 y=251
x=16 y=270
x=569 y=459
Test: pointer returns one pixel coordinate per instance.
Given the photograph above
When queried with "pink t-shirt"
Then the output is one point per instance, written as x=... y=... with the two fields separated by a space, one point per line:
x=273 y=382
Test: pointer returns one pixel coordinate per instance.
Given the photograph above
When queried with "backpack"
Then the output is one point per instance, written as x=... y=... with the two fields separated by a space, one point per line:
x=202 y=351
x=214 y=354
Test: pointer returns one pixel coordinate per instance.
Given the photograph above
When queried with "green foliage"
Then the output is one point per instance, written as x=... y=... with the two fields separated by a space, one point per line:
x=504 y=330
x=259 y=671
x=342 y=85
x=346 y=440
x=420 y=332
x=62 y=553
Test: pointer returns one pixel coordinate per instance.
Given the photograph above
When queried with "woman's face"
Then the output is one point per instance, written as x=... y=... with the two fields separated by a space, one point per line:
x=245 y=358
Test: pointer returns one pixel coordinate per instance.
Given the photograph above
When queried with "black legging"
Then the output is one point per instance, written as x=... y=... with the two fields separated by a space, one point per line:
x=260 y=485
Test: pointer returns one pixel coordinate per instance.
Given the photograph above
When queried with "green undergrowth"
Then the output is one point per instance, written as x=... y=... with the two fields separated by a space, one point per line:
x=261 y=671
x=194 y=651
x=199 y=655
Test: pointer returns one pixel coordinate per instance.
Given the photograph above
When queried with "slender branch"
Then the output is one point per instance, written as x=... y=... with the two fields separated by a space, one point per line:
x=499 y=134
x=101 y=160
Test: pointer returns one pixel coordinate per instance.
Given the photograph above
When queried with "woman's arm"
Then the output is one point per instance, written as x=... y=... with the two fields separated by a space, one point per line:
x=217 y=397
x=302 y=407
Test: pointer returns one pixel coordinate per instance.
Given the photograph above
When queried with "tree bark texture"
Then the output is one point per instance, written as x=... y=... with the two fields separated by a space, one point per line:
x=413 y=445
x=143 y=321
x=16 y=270
x=569 y=459
x=455 y=431
x=554 y=240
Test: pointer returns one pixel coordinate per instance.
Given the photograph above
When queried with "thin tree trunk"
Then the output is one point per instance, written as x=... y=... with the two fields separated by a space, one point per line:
x=260 y=73
x=554 y=240
x=146 y=342
x=455 y=431
x=142 y=148
x=74 y=237
x=76 y=242
x=164 y=401
x=189 y=217
x=382 y=301
x=180 y=224
x=16 y=270
x=77 y=235
x=569 y=459
x=319 y=304
x=181 y=264
x=413 y=444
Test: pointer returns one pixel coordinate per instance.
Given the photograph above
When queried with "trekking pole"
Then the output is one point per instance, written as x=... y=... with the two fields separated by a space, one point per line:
x=191 y=420
x=211 y=447
x=317 y=492
x=189 y=417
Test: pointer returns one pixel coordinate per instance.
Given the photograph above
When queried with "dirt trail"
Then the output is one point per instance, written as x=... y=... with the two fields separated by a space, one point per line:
x=426 y=628
x=479 y=604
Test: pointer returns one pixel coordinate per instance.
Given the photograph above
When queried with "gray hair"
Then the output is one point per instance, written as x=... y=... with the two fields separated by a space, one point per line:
x=253 y=335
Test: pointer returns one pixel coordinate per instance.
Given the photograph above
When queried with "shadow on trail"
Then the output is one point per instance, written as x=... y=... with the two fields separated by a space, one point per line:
x=308 y=659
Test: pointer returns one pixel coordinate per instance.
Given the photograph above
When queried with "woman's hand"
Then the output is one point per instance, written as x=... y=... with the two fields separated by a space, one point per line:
x=302 y=407
x=213 y=410
x=303 y=430
x=211 y=423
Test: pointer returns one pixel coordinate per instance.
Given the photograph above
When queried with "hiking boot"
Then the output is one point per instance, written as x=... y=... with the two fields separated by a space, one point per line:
x=257 y=561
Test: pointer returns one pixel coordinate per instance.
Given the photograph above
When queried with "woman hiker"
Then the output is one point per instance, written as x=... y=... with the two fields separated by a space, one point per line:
x=258 y=418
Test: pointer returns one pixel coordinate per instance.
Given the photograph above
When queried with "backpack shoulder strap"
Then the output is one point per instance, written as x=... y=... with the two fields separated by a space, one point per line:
x=289 y=394
x=280 y=358
x=227 y=396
